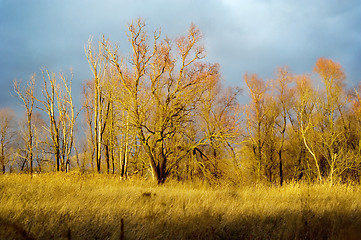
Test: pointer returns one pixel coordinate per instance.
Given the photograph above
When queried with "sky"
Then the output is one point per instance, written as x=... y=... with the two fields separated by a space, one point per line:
x=245 y=36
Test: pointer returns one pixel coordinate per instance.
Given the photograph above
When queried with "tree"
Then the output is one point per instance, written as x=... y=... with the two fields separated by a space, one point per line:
x=41 y=149
x=26 y=94
x=162 y=88
x=6 y=136
x=98 y=67
x=88 y=94
x=351 y=168
x=216 y=121
x=284 y=100
x=305 y=109
x=108 y=134
x=332 y=76
x=57 y=103
x=256 y=115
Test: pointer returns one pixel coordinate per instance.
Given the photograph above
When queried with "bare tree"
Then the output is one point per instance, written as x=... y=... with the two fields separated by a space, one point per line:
x=161 y=88
x=26 y=94
x=57 y=103
x=6 y=136
x=98 y=67
x=88 y=106
x=256 y=117
x=332 y=76
x=306 y=106
x=284 y=101
x=219 y=122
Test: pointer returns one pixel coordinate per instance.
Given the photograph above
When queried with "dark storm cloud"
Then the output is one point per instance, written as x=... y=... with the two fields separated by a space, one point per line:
x=264 y=35
x=243 y=36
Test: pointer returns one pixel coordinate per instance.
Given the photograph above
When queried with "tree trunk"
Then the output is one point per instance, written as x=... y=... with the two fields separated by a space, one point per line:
x=280 y=168
x=113 y=163
x=161 y=171
x=57 y=156
x=124 y=162
x=107 y=157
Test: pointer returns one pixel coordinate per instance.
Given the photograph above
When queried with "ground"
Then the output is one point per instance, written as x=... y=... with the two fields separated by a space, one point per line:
x=75 y=206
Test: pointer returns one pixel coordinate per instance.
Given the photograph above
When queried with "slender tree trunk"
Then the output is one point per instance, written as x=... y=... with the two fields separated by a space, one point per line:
x=125 y=149
x=30 y=143
x=97 y=122
x=113 y=161
x=107 y=157
x=25 y=162
x=2 y=157
x=124 y=162
x=314 y=157
x=3 y=164
x=57 y=157
x=67 y=165
x=280 y=167
x=259 y=150
x=281 y=148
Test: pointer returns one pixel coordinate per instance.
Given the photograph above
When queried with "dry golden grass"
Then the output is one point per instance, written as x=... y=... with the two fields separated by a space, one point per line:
x=71 y=206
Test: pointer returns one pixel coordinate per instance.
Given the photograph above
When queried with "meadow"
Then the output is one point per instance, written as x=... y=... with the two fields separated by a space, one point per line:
x=76 y=206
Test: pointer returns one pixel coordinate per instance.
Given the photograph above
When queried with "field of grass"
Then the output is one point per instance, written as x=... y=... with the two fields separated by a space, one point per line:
x=70 y=206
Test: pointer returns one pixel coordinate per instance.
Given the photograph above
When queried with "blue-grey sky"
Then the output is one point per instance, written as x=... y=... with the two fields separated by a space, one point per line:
x=254 y=36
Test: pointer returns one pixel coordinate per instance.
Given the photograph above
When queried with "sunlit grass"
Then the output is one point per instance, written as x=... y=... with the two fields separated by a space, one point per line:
x=53 y=206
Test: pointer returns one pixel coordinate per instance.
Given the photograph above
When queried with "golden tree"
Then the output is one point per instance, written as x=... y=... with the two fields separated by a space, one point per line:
x=6 y=136
x=98 y=68
x=284 y=102
x=162 y=84
x=57 y=103
x=26 y=94
x=332 y=76
x=256 y=116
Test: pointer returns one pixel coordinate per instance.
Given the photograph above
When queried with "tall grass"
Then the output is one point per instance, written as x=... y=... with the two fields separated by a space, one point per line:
x=70 y=206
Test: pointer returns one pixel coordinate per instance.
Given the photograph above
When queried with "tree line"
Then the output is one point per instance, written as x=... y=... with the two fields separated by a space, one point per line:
x=161 y=111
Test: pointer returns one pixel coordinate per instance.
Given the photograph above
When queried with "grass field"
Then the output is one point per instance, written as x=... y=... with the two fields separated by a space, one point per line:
x=70 y=206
